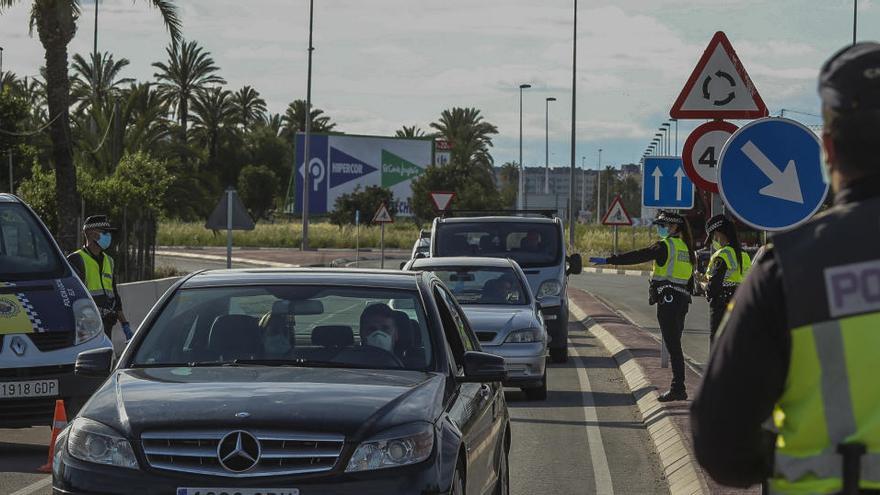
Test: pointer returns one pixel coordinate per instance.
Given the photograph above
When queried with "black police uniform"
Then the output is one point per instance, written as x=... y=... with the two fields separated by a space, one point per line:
x=785 y=288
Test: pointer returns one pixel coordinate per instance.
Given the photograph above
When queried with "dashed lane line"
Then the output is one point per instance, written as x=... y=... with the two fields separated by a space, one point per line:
x=601 y=471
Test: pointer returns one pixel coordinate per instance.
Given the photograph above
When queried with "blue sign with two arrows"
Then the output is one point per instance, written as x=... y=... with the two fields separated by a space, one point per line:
x=665 y=184
x=770 y=174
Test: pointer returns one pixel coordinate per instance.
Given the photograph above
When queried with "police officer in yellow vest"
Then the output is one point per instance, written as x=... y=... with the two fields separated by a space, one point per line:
x=671 y=287
x=95 y=268
x=801 y=341
x=726 y=269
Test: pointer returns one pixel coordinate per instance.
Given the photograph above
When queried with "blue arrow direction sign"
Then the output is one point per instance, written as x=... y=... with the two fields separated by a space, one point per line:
x=665 y=184
x=770 y=174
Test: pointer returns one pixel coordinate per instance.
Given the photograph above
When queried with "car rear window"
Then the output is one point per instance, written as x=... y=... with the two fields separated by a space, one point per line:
x=483 y=285
x=26 y=251
x=330 y=326
x=529 y=244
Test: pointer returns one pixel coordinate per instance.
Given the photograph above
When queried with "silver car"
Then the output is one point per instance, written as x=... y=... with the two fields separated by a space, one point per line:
x=502 y=311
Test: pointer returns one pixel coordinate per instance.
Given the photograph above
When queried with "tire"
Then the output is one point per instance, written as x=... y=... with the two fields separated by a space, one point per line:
x=537 y=393
x=457 y=483
x=559 y=354
x=502 y=487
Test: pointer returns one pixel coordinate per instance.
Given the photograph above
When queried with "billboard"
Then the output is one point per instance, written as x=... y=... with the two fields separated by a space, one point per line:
x=340 y=163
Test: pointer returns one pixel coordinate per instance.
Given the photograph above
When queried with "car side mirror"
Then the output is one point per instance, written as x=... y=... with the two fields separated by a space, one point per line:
x=575 y=264
x=96 y=362
x=482 y=367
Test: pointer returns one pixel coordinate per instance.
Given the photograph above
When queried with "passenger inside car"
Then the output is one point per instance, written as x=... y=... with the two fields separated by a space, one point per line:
x=378 y=327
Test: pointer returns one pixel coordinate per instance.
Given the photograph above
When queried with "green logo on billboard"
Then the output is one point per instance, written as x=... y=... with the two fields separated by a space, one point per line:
x=396 y=170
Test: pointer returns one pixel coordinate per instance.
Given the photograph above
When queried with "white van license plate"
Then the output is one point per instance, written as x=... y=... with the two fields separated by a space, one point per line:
x=237 y=491
x=31 y=388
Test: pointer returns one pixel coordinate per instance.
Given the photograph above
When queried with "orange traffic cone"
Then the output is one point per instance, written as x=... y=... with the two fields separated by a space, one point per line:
x=59 y=422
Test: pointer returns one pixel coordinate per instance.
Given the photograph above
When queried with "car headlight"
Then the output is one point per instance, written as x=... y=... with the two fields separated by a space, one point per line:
x=92 y=441
x=527 y=336
x=401 y=446
x=549 y=288
x=87 y=319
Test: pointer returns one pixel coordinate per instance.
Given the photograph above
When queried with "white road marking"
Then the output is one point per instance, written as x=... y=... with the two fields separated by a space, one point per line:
x=43 y=483
x=599 y=459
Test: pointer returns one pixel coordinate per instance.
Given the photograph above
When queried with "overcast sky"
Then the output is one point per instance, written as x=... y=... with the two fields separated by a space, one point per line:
x=380 y=64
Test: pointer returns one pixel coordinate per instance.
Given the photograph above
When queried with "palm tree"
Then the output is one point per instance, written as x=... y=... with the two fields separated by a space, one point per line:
x=213 y=112
x=190 y=69
x=55 y=21
x=469 y=134
x=275 y=122
x=97 y=79
x=295 y=119
x=410 y=132
x=8 y=80
x=249 y=107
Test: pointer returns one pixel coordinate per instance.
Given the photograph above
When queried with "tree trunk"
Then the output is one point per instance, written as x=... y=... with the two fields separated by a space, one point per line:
x=184 y=121
x=56 y=27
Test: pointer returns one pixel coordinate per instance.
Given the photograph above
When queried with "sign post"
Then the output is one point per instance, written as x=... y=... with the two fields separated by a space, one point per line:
x=229 y=214
x=382 y=217
x=770 y=174
x=357 y=238
x=616 y=216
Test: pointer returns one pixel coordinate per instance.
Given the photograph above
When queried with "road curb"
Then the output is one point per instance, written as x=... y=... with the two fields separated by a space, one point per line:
x=616 y=271
x=682 y=475
x=212 y=257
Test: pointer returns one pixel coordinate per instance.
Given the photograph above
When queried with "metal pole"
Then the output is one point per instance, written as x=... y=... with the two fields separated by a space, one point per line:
x=382 y=245
x=357 y=238
x=95 y=47
x=676 y=136
x=522 y=169
x=599 y=189
x=547 y=144
x=11 y=183
x=855 y=19
x=1 y=69
x=573 y=125
x=229 y=227
x=307 y=170
x=615 y=240
x=583 y=183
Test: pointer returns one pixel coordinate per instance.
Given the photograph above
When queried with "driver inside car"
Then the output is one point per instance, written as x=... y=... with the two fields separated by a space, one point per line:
x=378 y=327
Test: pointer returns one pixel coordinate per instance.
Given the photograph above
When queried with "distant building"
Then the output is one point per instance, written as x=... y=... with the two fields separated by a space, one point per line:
x=560 y=181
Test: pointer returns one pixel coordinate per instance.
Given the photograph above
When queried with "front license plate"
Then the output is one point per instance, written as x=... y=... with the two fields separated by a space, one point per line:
x=238 y=491
x=31 y=388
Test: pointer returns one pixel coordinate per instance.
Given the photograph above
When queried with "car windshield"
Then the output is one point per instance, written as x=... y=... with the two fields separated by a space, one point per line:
x=26 y=252
x=529 y=244
x=342 y=327
x=483 y=285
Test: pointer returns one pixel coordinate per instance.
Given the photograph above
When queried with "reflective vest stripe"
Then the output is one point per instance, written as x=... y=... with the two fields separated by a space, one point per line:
x=677 y=258
x=840 y=420
x=95 y=275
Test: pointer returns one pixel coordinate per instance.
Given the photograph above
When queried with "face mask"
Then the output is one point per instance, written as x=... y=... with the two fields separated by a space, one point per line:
x=716 y=245
x=663 y=231
x=104 y=240
x=276 y=344
x=380 y=339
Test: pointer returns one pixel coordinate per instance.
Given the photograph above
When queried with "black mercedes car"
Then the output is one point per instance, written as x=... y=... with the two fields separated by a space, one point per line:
x=288 y=382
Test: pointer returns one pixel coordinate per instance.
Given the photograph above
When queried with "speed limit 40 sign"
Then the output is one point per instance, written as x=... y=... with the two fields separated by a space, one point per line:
x=702 y=151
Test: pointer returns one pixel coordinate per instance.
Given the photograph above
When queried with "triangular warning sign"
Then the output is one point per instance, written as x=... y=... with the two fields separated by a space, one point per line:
x=719 y=87
x=616 y=214
x=382 y=215
x=442 y=199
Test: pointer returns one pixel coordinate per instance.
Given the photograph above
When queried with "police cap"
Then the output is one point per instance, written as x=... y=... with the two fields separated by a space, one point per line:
x=850 y=80
x=98 y=222
x=668 y=218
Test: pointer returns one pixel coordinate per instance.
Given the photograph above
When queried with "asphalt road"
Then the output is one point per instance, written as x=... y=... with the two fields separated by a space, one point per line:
x=628 y=295
x=585 y=438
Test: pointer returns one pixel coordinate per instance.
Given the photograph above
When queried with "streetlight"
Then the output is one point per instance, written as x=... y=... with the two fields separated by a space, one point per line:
x=664 y=127
x=574 y=45
x=855 y=19
x=547 y=144
x=676 y=135
x=1 y=69
x=95 y=46
x=583 y=182
x=659 y=138
x=307 y=165
x=522 y=169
